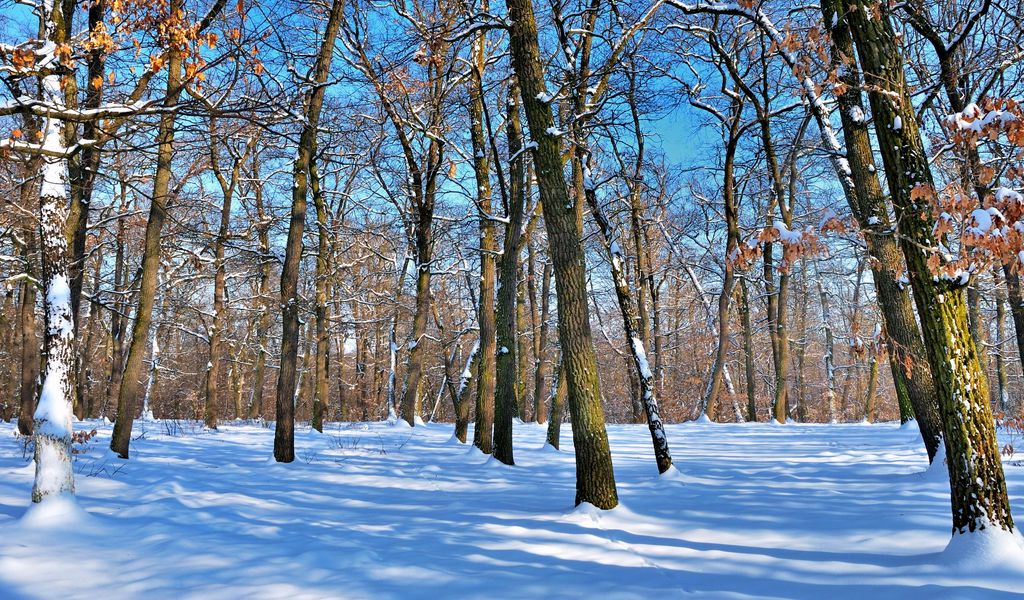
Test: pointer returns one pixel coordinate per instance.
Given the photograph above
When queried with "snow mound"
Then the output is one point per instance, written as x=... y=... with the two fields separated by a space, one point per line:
x=991 y=550
x=703 y=418
x=585 y=512
x=454 y=441
x=672 y=474
x=56 y=512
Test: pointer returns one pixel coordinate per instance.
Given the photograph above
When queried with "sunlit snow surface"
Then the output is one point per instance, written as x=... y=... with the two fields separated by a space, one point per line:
x=372 y=511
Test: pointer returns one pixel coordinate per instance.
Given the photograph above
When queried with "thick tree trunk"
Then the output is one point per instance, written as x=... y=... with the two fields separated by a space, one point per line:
x=977 y=484
x=414 y=363
x=908 y=359
x=484 y=428
x=595 y=478
x=459 y=401
x=506 y=390
x=127 y=398
x=52 y=418
x=284 y=432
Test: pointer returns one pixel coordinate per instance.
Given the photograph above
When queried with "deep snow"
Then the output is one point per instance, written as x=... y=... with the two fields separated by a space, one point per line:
x=373 y=511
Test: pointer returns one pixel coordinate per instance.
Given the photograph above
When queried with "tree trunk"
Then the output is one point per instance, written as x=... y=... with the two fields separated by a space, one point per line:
x=748 y=352
x=508 y=382
x=908 y=360
x=486 y=357
x=732 y=242
x=1000 y=325
x=30 y=357
x=830 y=351
x=264 y=316
x=323 y=267
x=978 y=488
x=540 y=343
x=127 y=397
x=52 y=419
x=118 y=309
x=284 y=432
x=595 y=478
x=558 y=392
x=459 y=400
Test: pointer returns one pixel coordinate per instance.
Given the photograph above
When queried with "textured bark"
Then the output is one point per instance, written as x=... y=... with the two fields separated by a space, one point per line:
x=127 y=397
x=508 y=381
x=951 y=62
x=459 y=401
x=484 y=428
x=595 y=479
x=977 y=484
x=284 y=432
x=908 y=359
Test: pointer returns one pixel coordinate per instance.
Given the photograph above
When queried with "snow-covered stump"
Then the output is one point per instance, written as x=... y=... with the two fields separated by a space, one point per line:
x=53 y=416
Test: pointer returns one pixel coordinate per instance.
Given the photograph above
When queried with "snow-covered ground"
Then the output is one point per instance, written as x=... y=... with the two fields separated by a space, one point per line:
x=372 y=511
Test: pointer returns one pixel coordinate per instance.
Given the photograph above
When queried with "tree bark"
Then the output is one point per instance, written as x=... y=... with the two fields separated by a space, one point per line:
x=977 y=484
x=908 y=360
x=284 y=432
x=506 y=391
x=127 y=398
x=595 y=478
x=486 y=356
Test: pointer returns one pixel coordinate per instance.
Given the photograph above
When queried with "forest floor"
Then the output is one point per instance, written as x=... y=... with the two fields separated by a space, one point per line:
x=376 y=511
